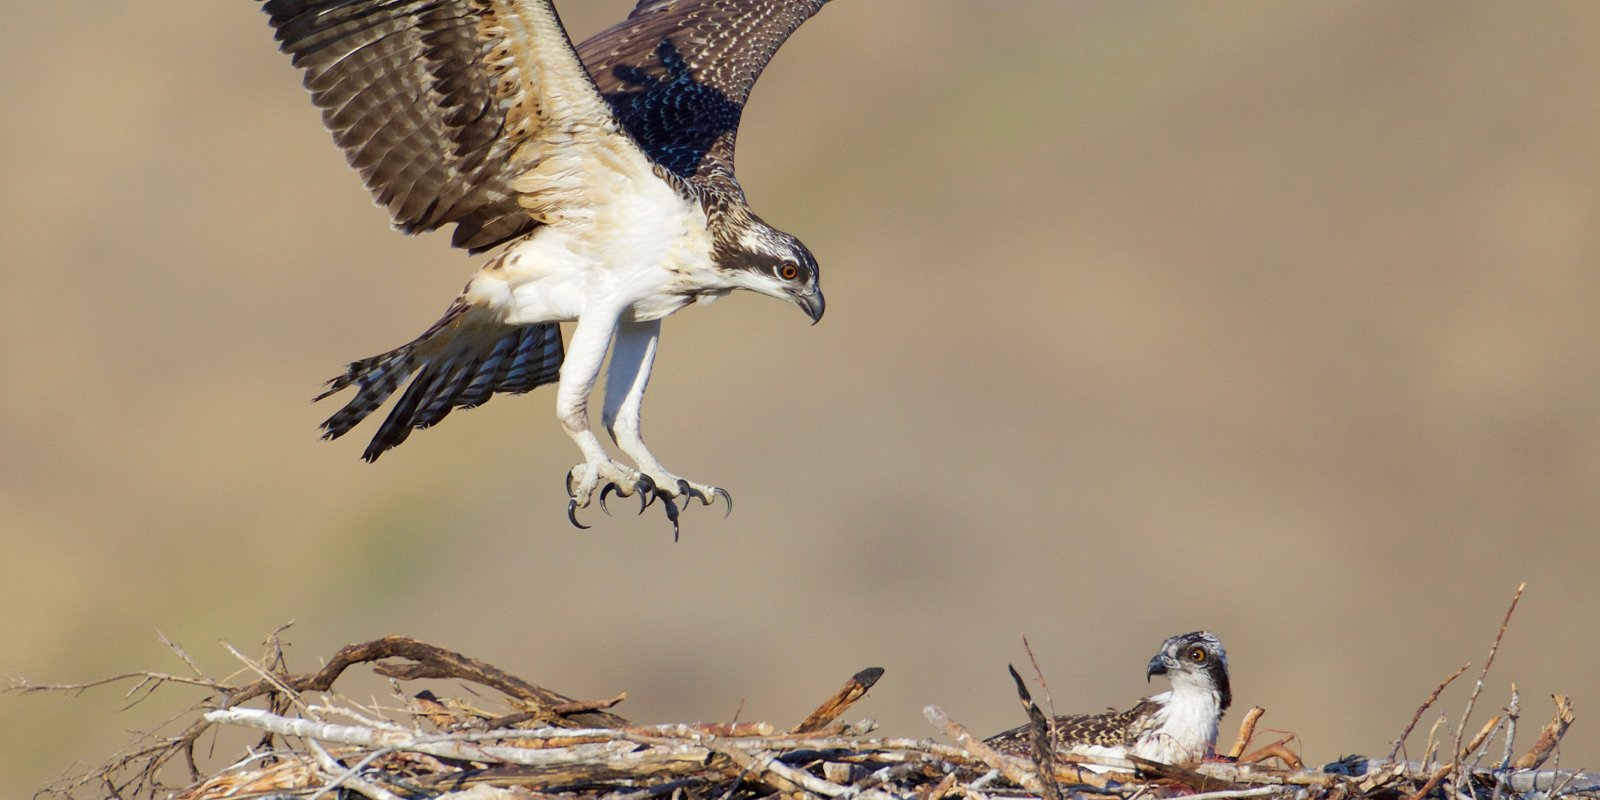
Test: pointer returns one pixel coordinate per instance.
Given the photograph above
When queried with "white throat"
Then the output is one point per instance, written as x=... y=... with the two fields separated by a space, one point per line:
x=1186 y=724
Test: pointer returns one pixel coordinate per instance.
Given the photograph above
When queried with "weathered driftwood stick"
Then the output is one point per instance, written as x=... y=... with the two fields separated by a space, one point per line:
x=1009 y=767
x=779 y=775
x=1549 y=737
x=1198 y=781
x=436 y=662
x=1279 y=750
x=853 y=690
x=1394 y=751
x=460 y=747
x=1247 y=731
x=1259 y=791
x=1040 y=745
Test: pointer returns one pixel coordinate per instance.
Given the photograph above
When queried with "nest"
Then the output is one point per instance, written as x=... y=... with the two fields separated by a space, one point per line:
x=537 y=743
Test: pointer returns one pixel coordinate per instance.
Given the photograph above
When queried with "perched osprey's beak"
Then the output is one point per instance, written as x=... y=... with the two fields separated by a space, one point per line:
x=811 y=302
x=1160 y=664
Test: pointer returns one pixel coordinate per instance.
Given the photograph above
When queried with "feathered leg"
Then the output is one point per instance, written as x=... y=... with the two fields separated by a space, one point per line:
x=579 y=372
x=632 y=356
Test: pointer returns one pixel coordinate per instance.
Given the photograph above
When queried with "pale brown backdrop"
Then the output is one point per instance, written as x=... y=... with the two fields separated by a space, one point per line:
x=1281 y=320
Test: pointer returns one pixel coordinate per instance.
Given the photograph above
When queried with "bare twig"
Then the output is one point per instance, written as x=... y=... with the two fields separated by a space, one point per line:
x=1477 y=689
x=1513 y=710
x=1394 y=751
x=1044 y=685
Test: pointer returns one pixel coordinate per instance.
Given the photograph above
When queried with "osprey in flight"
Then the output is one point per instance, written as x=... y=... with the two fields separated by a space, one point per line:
x=605 y=171
x=1177 y=727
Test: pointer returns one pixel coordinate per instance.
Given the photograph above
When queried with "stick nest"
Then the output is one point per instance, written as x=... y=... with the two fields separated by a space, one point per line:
x=310 y=742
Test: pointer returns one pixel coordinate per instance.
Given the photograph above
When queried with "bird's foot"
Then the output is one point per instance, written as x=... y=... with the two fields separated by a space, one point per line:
x=605 y=477
x=672 y=490
x=609 y=477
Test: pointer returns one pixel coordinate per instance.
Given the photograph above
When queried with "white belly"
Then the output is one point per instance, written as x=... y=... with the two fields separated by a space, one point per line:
x=642 y=250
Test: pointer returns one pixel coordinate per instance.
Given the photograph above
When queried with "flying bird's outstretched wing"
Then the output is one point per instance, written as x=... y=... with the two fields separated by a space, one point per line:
x=614 y=194
x=677 y=74
x=442 y=104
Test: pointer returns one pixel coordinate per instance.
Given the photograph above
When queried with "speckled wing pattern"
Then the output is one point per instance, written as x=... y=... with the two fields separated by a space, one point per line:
x=441 y=104
x=1113 y=729
x=677 y=74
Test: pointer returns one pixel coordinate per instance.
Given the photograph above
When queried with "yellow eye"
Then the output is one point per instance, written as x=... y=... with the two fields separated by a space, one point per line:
x=788 y=272
x=1198 y=655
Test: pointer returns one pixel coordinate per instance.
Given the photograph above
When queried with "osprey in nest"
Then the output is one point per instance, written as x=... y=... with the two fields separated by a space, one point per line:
x=1176 y=727
x=602 y=176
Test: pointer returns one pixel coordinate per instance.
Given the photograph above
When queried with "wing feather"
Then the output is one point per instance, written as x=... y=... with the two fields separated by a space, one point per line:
x=677 y=74
x=1110 y=729
x=441 y=105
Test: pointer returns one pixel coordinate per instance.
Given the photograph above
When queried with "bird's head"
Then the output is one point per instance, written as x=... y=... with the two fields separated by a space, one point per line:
x=763 y=259
x=1194 y=662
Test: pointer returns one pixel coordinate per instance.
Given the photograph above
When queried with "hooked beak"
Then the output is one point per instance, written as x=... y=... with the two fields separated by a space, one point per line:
x=1160 y=664
x=812 y=303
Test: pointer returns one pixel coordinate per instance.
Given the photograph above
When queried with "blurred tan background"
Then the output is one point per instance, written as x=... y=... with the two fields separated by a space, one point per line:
x=1281 y=320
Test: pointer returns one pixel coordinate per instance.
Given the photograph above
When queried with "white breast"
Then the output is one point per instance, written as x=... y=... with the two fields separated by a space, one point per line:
x=632 y=244
x=1185 y=729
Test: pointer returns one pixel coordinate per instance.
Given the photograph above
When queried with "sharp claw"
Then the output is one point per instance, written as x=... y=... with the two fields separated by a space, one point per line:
x=647 y=488
x=571 y=493
x=609 y=488
x=726 y=498
x=689 y=491
x=672 y=516
x=572 y=514
x=644 y=501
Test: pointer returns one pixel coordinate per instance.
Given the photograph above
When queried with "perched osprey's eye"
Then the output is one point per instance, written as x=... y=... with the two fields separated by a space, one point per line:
x=788 y=271
x=1197 y=655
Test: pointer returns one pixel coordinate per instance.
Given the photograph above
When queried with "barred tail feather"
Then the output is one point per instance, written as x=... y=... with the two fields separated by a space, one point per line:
x=459 y=363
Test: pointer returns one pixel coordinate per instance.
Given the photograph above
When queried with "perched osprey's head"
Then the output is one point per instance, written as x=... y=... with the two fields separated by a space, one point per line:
x=1194 y=662
x=763 y=259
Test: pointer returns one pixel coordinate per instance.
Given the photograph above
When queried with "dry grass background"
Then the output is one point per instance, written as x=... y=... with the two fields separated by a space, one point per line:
x=1281 y=320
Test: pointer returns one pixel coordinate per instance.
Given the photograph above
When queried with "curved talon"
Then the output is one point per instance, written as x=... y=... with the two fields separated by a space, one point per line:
x=644 y=500
x=689 y=491
x=570 y=493
x=726 y=498
x=647 y=489
x=609 y=488
x=572 y=514
x=672 y=515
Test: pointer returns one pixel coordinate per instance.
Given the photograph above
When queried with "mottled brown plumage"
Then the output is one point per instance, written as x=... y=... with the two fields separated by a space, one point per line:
x=1110 y=729
x=1179 y=726
x=678 y=73
x=429 y=98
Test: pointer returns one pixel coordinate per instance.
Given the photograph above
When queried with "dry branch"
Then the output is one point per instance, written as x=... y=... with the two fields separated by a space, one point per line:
x=1247 y=731
x=1549 y=737
x=1394 y=751
x=830 y=710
